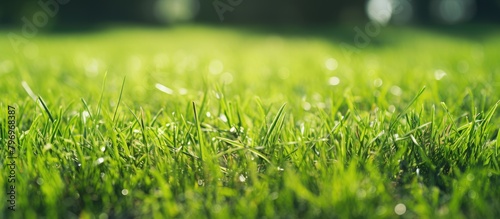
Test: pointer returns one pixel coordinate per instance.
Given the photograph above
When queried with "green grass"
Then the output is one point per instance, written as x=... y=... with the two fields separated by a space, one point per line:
x=197 y=122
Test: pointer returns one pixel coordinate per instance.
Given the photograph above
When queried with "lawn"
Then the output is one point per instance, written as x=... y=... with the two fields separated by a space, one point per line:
x=210 y=122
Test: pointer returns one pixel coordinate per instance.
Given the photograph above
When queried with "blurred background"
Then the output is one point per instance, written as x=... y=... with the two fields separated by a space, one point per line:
x=260 y=12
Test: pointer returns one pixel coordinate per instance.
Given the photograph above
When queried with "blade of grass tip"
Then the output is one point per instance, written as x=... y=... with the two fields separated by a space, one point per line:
x=260 y=109
x=448 y=114
x=203 y=102
x=260 y=155
x=141 y=124
x=87 y=108
x=406 y=108
x=31 y=93
x=102 y=93
x=119 y=99
x=274 y=123
x=144 y=135
x=137 y=120
x=224 y=106
x=498 y=144
x=46 y=109
x=57 y=128
x=238 y=113
x=489 y=116
x=200 y=134
x=240 y=146
x=156 y=117
x=28 y=90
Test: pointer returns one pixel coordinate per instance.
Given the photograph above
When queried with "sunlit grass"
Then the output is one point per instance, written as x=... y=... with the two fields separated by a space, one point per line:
x=199 y=122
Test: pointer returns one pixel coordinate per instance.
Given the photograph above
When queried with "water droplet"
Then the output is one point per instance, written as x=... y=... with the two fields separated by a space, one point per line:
x=331 y=64
x=103 y=148
x=439 y=74
x=242 y=178
x=334 y=81
x=280 y=169
x=200 y=182
x=85 y=115
x=39 y=181
x=208 y=114
x=400 y=209
x=100 y=160
x=47 y=147
x=223 y=117
x=124 y=192
x=217 y=95
x=160 y=131
x=164 y=89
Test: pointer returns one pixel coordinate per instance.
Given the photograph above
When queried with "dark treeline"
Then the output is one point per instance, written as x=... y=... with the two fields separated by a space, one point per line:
x=302 y=12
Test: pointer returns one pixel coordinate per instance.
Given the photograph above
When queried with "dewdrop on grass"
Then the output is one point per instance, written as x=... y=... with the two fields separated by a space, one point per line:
x=100 y=160
x=439 y=74
x=242 y=178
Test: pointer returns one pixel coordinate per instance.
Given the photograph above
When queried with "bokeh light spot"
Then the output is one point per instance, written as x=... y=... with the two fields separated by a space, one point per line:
x=334 y=81
x=124 y=192
x=396 y=91
x=173 y=11
x=216 y=67
x=453 y=11
x=379 y=11
x=331 y=64
x=400 y=209
x=378 y=82
x=439 y=74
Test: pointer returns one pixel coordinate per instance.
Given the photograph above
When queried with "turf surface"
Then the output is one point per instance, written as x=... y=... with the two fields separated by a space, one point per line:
x=199 y=122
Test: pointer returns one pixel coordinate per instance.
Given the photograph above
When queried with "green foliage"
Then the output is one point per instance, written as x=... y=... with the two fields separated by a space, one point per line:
x=196 y=122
